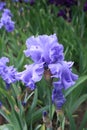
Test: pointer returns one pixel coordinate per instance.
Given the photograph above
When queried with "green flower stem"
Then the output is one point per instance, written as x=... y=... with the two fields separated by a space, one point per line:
x=50 y=103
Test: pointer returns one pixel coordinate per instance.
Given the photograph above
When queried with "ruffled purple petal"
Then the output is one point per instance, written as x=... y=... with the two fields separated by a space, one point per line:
x=44 y=48
x=63 y=72
x=8 y=73
x=31 y=75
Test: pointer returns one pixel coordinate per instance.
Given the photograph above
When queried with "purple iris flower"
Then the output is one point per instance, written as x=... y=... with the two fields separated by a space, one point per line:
x=85 y=6
x=2 y=5
x=6 y=21
x=31 y=75
x=8 y=73
x=62 y=13
x=48 y=55
x=44 y=48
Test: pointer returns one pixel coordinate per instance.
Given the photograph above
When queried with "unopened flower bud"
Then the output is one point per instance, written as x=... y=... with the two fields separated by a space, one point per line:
x=47 y=120
x=24 y=103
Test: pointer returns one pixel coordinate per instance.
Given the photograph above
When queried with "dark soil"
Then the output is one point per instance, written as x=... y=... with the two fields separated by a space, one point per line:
x=2 y=120
x=78 y=116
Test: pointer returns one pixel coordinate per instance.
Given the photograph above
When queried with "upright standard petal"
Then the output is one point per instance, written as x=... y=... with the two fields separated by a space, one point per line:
x=44 y=48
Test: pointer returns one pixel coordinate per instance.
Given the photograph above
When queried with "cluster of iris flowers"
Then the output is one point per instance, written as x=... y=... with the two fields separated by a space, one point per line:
x=66 y=8
x=5 y=20
x=65 y=12
x=66 y=3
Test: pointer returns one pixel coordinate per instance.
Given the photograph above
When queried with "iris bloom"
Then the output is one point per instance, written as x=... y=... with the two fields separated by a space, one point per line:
x=8 y=73
x=6 y=20
x=48 y=55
